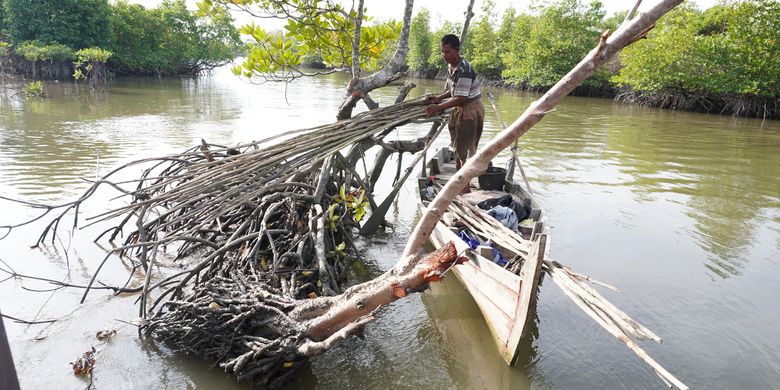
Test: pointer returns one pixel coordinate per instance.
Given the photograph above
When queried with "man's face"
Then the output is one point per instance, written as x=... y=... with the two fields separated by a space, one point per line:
x=449 y=54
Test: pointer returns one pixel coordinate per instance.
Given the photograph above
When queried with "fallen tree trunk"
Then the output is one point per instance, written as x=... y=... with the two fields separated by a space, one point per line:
x=255 y=334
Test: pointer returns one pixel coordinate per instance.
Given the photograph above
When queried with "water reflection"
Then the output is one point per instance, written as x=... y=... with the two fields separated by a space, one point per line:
x=471 y=358
x=680 y=210
x=715 y=169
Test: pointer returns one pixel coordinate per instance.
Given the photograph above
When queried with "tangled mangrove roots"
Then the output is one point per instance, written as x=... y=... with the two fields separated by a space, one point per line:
x=47 y=70
x=729 y=104
x=256 y=333
x=269 y=226
x=96 y=75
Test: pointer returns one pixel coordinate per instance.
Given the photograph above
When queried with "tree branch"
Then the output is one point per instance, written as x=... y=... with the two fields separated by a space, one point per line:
x=474 y=166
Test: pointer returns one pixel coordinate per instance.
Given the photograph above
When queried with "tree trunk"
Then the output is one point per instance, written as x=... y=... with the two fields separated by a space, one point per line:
x=358 y=302
x=356 y=41
x=358 y=88
x=469 y=15
x=608 y=46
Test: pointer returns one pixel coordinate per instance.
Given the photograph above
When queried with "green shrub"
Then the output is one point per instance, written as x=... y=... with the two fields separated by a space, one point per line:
x=562 y=34
x=36 y=51
x=420 y=41
x=33 y=89
x=731 y=48
x=93 y=54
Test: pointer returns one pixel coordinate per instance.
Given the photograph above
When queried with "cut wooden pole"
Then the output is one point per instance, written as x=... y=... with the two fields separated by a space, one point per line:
x=378 y=215
x=614 y=330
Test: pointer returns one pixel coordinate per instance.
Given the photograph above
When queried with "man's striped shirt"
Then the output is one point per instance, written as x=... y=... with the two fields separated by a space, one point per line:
x=462 y=81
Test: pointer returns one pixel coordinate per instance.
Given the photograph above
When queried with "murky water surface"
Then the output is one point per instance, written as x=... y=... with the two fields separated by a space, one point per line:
x=681 y=211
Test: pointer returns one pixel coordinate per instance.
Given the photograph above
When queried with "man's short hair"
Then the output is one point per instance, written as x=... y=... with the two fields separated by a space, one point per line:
x=451 y=40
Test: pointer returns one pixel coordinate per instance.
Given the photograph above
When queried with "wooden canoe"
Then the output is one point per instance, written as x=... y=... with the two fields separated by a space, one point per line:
x=506 y=299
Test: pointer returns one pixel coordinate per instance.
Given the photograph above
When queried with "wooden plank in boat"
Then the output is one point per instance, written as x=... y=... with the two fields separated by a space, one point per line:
x=530 y=274
x=495 y=280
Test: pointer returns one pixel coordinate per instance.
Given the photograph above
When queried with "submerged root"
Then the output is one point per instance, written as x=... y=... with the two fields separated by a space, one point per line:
x=255 y=333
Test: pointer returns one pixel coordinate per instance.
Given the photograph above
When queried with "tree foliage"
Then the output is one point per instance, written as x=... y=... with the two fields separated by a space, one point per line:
x=562 y=34
x=421 y=41
x=3 y=28
x=73 y=23
x=314 y=29
x=482 y=45
x=731 y=48
x=170 y=39
x=532 y=49
x=165 y=40
x=515 y=52
x=36 y=51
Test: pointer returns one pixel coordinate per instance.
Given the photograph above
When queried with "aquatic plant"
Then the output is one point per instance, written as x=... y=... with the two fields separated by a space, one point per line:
x=33 y=89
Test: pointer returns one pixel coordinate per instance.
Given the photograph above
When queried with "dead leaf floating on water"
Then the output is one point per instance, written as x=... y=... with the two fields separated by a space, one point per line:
x=85 y=363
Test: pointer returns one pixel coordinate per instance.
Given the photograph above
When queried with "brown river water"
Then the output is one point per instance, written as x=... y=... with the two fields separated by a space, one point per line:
x=680 y=211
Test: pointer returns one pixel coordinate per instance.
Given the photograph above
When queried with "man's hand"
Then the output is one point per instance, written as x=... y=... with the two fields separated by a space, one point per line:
x=432 y=99
x=433 y=109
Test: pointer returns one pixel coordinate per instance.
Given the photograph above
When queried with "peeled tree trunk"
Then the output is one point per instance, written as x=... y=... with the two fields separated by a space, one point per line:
x=338 y=316
x=469 y=14
x=609 y=45
x=258 y=335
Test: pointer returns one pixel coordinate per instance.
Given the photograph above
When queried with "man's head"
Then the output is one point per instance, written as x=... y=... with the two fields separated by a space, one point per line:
x=450 y=49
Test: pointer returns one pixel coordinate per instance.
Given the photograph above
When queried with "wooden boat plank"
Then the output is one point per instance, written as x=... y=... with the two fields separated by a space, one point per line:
x=530 y=275
x=499 y=312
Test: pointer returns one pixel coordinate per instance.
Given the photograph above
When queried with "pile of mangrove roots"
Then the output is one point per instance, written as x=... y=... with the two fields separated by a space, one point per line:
x=263 y=232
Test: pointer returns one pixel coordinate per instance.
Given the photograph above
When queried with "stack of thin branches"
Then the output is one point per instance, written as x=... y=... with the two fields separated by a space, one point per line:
x=267 y=223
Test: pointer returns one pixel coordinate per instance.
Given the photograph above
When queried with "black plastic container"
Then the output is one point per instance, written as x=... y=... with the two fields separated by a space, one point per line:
x=492 y=179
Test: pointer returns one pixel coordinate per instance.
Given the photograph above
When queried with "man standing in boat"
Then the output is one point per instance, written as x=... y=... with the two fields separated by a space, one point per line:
x=468 y=115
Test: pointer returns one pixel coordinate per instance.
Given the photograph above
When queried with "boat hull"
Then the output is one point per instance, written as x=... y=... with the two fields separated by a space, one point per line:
x=506 y=300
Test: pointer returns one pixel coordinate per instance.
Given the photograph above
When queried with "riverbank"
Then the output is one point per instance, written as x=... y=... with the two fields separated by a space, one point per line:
x=749 y=106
